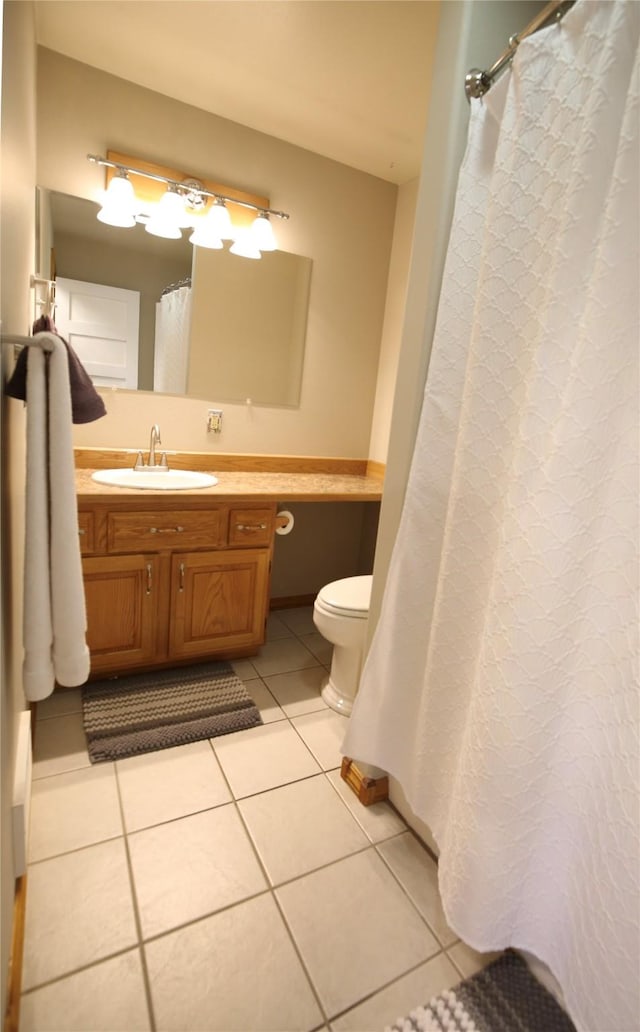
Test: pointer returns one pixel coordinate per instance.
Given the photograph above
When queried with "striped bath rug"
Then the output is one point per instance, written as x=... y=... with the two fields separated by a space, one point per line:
x=503 y=997
x=126 y=716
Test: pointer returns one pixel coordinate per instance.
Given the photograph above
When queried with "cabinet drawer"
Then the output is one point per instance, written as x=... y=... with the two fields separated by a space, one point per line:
x=87 y=532
x=250 y=526
x=133 y=531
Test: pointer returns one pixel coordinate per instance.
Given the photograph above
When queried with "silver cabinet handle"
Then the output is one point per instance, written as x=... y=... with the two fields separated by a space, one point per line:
x=81 y=531
x=181 y=584
x=251 y=526
x=149 y=577
x=166 y=530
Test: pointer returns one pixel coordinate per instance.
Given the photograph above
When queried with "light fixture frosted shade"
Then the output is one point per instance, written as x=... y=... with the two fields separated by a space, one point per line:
x=219 y=221
x=168 y=217
x=118 y=204
x=263 y=235
x=204 y=236
x=244 y=245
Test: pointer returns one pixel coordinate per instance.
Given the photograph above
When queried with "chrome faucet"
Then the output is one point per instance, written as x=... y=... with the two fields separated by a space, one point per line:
x=155 y=439
x=153 y=443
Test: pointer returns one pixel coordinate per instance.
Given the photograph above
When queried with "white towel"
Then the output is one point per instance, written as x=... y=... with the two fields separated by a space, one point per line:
x=54 y=605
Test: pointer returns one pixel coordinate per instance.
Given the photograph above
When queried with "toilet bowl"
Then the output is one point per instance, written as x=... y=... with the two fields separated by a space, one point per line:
x=340 y=613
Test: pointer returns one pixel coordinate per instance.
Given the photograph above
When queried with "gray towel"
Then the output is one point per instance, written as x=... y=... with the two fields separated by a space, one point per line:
x=86 y=403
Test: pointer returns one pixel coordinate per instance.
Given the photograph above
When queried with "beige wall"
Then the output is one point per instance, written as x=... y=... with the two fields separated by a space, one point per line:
x=393 y=320
x=17 y=212
x=341 y=218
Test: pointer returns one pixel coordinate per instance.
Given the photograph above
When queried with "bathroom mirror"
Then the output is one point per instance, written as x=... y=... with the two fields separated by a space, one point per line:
x=248 y=318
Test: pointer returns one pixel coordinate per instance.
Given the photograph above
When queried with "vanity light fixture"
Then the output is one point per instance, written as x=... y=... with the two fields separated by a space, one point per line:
x=118 y=203
x=245 y=245
x=262 y=233
x=220 y=220
x=215 y=227
x=182 y=206
x=167 y=218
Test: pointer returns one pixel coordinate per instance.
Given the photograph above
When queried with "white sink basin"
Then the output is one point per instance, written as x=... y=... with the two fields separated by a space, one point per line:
x=154 y=480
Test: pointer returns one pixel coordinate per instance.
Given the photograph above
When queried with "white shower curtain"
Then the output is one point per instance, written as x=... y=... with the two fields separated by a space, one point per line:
x=501 y=686
x=171 y=353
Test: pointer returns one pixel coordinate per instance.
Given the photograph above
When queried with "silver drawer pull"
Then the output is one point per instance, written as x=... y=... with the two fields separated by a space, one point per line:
x=81 y=530
x=251 y=526
x=166 y=530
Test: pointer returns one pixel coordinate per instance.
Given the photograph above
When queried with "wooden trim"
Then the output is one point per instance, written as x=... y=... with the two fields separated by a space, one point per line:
x=14 y=988
x=108 y=458
x=376 y=469
x=368 y=790
x=148 y=190
x=291 y=601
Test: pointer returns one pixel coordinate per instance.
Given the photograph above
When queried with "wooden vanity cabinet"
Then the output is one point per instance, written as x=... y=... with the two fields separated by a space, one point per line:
x=168 y=584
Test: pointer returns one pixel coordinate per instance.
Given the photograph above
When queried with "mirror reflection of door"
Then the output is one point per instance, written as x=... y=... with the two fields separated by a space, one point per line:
x=102 y=326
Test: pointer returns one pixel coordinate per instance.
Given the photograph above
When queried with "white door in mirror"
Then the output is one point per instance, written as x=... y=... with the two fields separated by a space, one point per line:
x=155 y=480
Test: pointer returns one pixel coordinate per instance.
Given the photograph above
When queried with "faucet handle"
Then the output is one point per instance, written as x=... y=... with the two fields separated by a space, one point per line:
x=139 y=463
x=163 y=460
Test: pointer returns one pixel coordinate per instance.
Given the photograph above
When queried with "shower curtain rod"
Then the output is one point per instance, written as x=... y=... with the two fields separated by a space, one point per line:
x=477 y=82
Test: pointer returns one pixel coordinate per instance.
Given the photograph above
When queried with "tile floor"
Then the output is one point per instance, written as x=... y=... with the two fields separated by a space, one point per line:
x=231 y=884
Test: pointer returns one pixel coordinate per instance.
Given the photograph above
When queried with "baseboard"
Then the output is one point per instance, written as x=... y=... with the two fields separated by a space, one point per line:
x=14 y=987
x=291 y=601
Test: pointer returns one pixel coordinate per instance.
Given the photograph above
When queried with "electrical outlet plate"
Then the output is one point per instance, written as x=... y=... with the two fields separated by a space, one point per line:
x=214 y=421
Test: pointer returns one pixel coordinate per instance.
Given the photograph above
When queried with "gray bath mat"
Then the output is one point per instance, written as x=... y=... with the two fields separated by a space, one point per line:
x=503 y=997
x=126 y=716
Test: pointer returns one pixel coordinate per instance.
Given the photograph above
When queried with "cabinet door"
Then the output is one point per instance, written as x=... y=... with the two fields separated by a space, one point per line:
x=218 y=601
x=121 y=594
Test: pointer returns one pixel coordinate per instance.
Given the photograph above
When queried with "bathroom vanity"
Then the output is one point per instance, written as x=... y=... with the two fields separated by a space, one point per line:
x=169 y=580
x=178 y=576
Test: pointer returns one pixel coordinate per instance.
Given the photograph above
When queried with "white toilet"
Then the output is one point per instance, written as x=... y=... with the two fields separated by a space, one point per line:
x=340 y=613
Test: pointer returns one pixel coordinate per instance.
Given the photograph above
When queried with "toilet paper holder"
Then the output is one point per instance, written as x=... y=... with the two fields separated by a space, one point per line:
x=284 y=522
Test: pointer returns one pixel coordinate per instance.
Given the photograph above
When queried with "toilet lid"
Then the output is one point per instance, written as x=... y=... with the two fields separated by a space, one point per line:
x=352 y=594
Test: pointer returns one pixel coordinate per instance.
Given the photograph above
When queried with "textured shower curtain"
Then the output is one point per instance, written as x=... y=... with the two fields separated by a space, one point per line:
x=171 y=353
x=501 y=685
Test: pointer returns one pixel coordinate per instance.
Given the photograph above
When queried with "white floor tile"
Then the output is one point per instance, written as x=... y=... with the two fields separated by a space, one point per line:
x=109 y=997
x=264 y=700
x=467 y=960
x=161 y=786
x=321 y=648
x=417 y=872
x=298 y=692
x=244 y=669
x=60 y=744
x=276 y=628
x=397 y=1000
x=62 y=702
x=192 y=867
x=379 y=821
x=299 y=620
x=229 y=973
x=79 y=910
x=263 y=758
x=324 y=734
x=72 y=810
x=355 y=928
x=278 y=657
x=313 y=828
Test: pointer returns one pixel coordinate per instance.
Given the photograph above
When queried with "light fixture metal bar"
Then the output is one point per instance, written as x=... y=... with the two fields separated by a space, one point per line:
x=96 y=159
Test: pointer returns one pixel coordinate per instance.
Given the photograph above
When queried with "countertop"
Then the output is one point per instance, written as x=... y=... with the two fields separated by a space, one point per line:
x=249 y=486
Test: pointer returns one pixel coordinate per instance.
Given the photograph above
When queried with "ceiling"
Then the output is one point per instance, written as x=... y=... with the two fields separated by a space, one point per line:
x=348 y=79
